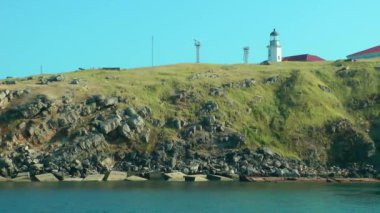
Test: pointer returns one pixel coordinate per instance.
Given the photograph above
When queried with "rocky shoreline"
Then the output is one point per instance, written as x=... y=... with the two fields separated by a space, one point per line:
x=261 y=165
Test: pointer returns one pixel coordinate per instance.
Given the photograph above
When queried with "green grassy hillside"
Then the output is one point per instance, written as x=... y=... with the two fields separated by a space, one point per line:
x=291 y=107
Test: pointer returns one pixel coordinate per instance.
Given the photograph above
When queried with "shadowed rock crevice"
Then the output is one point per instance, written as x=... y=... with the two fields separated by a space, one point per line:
x=348 y=144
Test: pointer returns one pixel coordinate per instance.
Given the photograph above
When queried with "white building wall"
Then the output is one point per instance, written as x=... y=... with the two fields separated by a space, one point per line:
x=274 y=53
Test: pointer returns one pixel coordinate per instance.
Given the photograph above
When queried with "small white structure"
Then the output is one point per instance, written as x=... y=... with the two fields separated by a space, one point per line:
x=274 y=48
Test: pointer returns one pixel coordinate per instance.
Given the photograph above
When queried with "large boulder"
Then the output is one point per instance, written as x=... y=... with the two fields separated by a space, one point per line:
x=246 y=83
x=7 y=167
x=265 y=151
x=210 y=106
x=231 y=140
x=136 y=123
x=88 y=109
x=145 y=135
x=68 y=118
x=102 y=102
x=3 y=98
x=110 y=124
x=90 y=142
x=75 y=81
x=5 y=162
x=56 y=78
x=44 y=81
x=176 y=123
x=125 y=131
x=145 y=112
x=131 y=112
x=215 y=91
x=36 y=133
x=107 y=163
x=9 y=82
x=112 y=101
x=34 y=109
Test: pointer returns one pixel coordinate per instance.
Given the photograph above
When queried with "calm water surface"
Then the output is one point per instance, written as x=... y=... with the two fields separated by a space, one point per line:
x=188 y=197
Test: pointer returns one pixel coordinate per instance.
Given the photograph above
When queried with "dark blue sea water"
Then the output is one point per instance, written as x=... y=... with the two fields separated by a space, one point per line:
x=188 y=197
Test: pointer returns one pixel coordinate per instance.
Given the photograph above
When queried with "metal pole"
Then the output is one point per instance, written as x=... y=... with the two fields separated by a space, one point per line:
x=197 y=46
x=152 y=51
x=198 y=61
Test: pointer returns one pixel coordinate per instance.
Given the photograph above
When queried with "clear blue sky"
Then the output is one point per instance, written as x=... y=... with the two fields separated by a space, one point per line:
x=67 y=34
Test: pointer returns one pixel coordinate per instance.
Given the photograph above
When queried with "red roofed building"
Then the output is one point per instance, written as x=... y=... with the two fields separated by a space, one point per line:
x=373 y=52
x=305 y=57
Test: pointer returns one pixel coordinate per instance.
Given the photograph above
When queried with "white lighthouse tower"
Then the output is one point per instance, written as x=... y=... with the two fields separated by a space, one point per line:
x=274 y=48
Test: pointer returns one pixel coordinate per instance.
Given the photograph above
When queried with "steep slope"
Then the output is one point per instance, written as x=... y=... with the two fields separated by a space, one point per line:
x=323 y=113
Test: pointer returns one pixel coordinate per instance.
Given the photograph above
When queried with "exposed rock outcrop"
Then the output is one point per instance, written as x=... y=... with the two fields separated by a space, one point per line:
x=69 y=139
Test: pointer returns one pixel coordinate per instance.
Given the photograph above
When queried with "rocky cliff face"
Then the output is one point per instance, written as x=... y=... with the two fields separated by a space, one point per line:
x=201 y=131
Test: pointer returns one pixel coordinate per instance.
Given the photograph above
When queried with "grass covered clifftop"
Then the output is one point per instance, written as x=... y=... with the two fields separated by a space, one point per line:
x=319 y=111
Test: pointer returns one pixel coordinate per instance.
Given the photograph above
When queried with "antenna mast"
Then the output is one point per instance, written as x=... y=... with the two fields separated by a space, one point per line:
x=197 y=45
x=246 y=54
